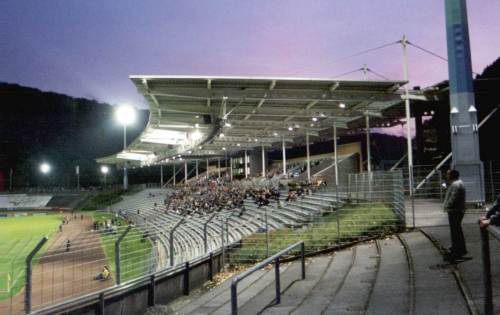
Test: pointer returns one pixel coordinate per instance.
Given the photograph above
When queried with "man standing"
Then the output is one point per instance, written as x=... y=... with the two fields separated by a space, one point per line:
x=454 y=205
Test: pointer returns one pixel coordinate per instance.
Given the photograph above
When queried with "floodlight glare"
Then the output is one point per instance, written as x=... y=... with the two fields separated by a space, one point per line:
x=290 y=128
x=227 y=124
x=196 y=135
x=125 y=114
x=342 y=105
x=45 y=168
x=314 y=119
x=104 y=169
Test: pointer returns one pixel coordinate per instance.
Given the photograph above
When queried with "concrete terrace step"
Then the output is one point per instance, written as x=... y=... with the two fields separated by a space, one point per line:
x=370 y=278
x=294 y=296
x=393 y=280
x=356 y=289
x=436 y=291
x=330 y=283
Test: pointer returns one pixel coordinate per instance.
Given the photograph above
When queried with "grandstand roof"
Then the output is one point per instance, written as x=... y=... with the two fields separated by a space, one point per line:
x=207 y=116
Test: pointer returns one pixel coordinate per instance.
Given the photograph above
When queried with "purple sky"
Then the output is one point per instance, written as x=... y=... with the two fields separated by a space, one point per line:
x=89 y=48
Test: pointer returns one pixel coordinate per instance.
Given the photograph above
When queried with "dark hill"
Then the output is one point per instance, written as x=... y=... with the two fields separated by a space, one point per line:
x=65 y=131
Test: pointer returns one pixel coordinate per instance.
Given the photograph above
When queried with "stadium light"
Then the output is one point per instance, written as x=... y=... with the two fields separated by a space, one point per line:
x=45 y=168
x=342 y=105
x=125 y=115
x=104 y=171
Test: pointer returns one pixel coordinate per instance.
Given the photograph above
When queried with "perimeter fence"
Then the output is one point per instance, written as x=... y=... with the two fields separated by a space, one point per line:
x=144 y=240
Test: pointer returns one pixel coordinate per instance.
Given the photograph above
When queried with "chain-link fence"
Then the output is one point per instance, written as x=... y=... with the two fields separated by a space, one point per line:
x=92 y=252
x=371 y=205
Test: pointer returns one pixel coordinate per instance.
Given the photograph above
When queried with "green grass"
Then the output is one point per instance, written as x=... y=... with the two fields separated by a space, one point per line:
x=18 y=236
x=355 y=221
x=135 y=250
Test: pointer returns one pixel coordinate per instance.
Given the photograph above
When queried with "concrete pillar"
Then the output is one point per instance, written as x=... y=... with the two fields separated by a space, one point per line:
x=231 y=168
x=463 y=112
x=335 y=155
x=246 y=164
x=161 y=175
x=207 y=169
x=283 y=150
x=263 y=162
x=174 y=173
x=308 y=158
x=185 y=171
x=218 y=167
x=368 y=150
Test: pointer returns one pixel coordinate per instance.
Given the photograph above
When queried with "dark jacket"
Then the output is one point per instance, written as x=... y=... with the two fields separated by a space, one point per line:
x=494 y=212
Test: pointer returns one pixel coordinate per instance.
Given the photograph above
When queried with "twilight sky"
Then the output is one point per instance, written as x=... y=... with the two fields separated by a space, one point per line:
x=89 y=48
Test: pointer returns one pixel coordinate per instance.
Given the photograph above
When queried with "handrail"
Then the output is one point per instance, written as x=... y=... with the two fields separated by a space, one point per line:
x=262 y=264
x=485 y=251
x=399 y=162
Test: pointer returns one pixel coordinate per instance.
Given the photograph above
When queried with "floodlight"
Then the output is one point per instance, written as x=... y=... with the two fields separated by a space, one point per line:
x=221 y=135
x=227 y=124
x=44 y=168
x=125 y=114
x=104 y=169
x=275 y=134
x=196 y=135
x=314 y=119
x=290 y=128
x=342 y=105
x=238 y=144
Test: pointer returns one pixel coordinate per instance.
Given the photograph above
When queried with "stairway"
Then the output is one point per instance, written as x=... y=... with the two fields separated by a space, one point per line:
x=403 y=274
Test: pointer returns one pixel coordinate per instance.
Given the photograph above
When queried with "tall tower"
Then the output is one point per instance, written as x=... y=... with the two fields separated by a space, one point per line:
x=463 y=113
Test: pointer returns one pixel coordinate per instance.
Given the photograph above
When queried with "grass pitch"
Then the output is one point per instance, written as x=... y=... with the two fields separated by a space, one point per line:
x=18 y=236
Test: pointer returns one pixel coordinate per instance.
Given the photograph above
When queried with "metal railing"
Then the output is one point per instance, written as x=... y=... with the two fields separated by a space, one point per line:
x=262 y=264
x=486 y=260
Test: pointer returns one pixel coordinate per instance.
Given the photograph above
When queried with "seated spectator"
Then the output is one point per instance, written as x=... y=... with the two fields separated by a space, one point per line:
x=104 y=274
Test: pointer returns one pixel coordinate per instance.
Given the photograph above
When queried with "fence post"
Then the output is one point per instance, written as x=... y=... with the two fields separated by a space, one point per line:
x=222 y=242
x=337 y=214
x=267 y=232
x=227 y=230
x=29 y=273
x=100 y=305
x=234 y=298
x=171 y=240
x=186 y=278
x=205 y=231
x=211 y=267
x=303 y=259
x=117 y=254
x=152 y=289
x=485 y=251
x=492 y=182
x=277 y=280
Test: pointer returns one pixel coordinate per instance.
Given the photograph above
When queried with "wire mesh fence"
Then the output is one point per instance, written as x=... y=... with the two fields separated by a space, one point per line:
x=371 y=205
x=92 y=253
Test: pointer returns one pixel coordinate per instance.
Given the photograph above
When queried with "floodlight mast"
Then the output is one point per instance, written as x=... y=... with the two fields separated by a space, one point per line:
x=104 y=171
x=125 y=114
